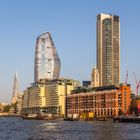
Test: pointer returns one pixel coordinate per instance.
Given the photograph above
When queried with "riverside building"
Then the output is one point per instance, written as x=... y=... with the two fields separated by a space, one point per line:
x=48 y=96
x=136 y=105
x=108 y=49
x=106 y=101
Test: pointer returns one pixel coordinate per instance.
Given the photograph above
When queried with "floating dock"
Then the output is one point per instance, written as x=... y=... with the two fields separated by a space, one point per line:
x=126 y=119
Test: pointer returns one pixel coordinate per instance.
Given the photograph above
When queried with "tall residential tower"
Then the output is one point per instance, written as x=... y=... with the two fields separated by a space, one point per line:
x=47 y=62
x=108 y=49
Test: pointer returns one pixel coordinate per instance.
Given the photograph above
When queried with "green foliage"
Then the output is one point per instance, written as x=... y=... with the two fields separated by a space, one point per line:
x=6 y=108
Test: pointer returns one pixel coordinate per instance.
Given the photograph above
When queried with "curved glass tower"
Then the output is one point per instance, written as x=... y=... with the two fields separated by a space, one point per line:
x=47 y=62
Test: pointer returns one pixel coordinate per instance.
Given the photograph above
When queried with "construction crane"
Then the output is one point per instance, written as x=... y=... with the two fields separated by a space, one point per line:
x=126 y=77
x=137 y=84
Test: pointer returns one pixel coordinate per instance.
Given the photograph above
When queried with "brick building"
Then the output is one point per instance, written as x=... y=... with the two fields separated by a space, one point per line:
x=136 y=105
x=105 y=101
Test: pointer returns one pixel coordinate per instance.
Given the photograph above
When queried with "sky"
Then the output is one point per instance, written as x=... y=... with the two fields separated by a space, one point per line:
x=72 y=24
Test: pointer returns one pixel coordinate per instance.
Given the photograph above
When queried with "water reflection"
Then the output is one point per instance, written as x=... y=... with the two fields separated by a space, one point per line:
x=18 y=129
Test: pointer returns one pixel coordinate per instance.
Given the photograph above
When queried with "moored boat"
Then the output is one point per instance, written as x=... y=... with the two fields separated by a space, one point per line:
x=32 y=116
x=68 y=119
x=101 y=119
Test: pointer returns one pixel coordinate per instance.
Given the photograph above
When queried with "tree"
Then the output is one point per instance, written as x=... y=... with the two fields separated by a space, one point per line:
x=6 y=108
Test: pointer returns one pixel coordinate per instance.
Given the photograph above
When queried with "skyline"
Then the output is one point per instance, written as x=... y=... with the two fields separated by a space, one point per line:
x=70 y=31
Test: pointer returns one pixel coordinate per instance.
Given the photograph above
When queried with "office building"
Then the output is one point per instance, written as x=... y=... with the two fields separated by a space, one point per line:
x=56 y=92
x=34 y=98
x=48 y=96
x=86 y=83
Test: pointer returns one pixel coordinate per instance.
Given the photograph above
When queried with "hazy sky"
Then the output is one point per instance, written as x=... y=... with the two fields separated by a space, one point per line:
x=72 y=24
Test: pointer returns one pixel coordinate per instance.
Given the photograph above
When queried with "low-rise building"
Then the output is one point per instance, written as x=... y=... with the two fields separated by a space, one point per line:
x=48 y=96
x=1 y=107
x=105 y=101
x=136 y=105
x=86 y=84
x=56 y=91
x=34 y=98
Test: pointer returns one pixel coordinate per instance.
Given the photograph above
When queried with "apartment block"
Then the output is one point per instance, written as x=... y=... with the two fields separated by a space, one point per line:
x=106 y=101
x=108 y=49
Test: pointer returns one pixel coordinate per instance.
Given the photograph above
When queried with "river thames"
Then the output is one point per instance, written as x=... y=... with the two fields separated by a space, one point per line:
x=12 y=128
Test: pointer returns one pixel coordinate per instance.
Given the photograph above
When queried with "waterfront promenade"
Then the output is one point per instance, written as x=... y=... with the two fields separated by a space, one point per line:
x=15 y=128
x=9 y=115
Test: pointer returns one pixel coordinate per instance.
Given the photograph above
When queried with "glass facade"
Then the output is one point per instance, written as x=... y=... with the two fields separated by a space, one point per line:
x=47 y=62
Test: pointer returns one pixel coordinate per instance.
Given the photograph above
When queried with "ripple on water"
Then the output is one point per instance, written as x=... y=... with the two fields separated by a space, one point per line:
x=18 y=129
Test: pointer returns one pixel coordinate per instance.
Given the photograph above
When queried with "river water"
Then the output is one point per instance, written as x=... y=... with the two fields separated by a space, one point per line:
x=12 y=128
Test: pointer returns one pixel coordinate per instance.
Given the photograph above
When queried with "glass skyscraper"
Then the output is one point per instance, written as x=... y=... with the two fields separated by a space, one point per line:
x=47 y=62
x=15 y=89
